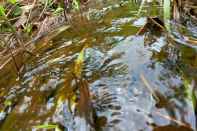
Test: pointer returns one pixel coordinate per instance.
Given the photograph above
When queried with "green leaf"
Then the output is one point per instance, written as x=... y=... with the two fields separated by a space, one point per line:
x=12 y=1
x=17 y=11
x=46 y=126
x=8 y=103
x=79 y=62
x=28 y=28
x=58 y=10
x=76 y=4
x=189 y=91
x=167 y=13
x=2 y=11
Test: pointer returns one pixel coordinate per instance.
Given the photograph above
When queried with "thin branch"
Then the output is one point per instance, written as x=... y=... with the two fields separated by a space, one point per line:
x=149 y=87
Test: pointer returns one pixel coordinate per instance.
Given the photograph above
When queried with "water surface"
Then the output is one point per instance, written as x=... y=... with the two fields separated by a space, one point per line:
x=117 y=62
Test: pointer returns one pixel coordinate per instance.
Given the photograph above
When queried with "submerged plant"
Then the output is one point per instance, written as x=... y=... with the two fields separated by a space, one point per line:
x=48 y=126
x=167 y=13
x=78 y=68
x=189 y=91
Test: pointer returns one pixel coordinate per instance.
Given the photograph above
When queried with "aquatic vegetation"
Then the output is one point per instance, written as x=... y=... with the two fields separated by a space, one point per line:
x=81 y=65
x=167 y=13
x=78 y=69
x=48 y=127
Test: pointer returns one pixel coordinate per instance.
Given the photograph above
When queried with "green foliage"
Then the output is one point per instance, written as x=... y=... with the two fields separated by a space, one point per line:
x=17 y=11
x=188 y=89
x=28 y=28
x=12 y=1
x=141 y=6
x=79 y=62
x=76 y=4
x=58 y=10
x=2 y=11
x=8 y=103
x=167 y=13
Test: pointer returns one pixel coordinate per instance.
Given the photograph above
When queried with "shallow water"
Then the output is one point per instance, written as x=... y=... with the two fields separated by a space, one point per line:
x=118 y=65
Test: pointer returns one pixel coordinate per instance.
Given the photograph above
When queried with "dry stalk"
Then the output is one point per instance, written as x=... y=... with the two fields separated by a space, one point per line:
x=180 y=123
x=149 y=87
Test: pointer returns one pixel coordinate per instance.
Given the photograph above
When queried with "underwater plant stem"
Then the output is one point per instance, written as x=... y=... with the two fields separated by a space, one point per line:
x=167 y=13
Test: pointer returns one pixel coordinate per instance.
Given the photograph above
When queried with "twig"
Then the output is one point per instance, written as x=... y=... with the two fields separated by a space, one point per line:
x=155 y=22
x=15 y=18
x=148 y=86
x=167 y=118
x=45 y=6
x=142 y=29
x=10 y=10
x=13 y=58
x=33 y=5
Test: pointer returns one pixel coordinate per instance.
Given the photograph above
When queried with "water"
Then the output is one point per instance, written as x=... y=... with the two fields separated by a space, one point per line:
x=118 y=65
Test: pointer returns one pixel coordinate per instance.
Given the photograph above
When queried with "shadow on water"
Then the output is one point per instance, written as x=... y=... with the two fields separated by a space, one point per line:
x=111 y=95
